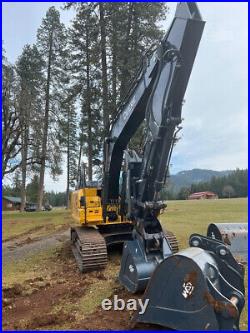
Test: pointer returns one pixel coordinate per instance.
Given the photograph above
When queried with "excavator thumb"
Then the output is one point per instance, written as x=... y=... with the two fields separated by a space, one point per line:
x=199 y=288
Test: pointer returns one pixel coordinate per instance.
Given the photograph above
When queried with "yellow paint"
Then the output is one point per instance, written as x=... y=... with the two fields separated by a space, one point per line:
x=91 y=213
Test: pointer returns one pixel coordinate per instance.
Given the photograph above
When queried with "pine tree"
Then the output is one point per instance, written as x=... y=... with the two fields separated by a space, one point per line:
x=86 y=74
x=68 y=139
x=32 y=189
x=50 y=41
x=29 y=70
x=108 y=41
x=103 y=43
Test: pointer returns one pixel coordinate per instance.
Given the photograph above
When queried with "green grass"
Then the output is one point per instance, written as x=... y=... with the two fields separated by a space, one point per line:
x=193 y=216
x=15 y=224
x=36 y=265
x=101 y=289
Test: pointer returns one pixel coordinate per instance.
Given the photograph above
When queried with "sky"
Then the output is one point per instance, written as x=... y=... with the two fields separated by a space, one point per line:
x=215 y=112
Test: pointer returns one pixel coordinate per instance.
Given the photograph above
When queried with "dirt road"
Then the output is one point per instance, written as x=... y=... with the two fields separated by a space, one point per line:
x=22 y=247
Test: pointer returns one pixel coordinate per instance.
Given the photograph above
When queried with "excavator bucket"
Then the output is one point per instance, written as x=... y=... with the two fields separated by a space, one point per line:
x=199 y=288
x=234 y=236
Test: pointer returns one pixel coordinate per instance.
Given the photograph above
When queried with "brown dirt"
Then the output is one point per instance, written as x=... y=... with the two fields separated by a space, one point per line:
x=31 y=306
x=113 y=320
x=12 y=238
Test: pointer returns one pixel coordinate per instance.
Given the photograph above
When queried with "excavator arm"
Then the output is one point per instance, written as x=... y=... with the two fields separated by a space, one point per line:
x=169 y=71
x=157 y=95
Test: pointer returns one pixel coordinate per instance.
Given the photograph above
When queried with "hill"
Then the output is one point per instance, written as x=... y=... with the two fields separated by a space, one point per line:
x=187 y=177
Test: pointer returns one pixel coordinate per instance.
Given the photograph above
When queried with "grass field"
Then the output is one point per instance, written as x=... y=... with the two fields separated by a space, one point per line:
x=181 y=217
x=193 y=216
x=16 y=224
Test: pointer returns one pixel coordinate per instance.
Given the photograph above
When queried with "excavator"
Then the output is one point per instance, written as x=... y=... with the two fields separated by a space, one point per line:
x=198 y=288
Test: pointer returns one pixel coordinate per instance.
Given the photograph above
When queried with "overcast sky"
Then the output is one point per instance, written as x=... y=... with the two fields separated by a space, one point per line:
x=214 y=134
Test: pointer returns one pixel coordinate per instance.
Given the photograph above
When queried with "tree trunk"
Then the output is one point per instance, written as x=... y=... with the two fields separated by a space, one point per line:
x=79 y=163
x=125 y=72
x=24 y=154
x=25 y=125
x=106 y=122
x=45 y=128
x=114 y=68
x=23 y=182
x=88 y=105
x=135 y=42
x=68 y=164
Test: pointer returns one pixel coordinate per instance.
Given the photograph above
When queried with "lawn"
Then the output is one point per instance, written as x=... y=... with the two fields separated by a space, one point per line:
x=193 y=216
x=16 y=224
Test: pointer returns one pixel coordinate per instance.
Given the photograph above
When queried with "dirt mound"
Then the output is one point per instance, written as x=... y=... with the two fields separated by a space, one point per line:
x=13 y=291
x=100 y=276
x=65 y=252
x=45 y=320
x=37 y=306
x=33 y=302
x=26 y=233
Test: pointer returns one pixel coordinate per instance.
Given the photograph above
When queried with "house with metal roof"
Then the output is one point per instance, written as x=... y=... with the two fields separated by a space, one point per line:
x=11 y=203
x=203 y=195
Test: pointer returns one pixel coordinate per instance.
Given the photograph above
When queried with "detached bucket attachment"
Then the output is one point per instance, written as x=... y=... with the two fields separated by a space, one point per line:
x=200 y=288
x=234 y=236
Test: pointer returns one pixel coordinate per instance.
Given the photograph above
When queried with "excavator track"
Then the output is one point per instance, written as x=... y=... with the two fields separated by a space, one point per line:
x=173 y=242
x=89 y=248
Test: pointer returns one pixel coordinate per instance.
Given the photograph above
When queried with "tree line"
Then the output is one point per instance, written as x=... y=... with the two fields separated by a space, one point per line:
x=63 y=92
x=56 y=199
x=233 y=185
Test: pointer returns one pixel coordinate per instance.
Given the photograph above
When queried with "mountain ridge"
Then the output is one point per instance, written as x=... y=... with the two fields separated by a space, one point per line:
x=187 y=177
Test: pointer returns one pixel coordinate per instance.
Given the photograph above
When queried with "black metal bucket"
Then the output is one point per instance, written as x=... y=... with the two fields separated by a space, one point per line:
x=192 y=290
x=234 y=236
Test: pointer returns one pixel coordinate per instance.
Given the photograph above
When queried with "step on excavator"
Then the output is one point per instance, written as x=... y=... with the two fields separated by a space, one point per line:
x=198 y=288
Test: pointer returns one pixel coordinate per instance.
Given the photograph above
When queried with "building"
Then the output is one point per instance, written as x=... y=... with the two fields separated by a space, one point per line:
x=202 y=195
x=11 y=203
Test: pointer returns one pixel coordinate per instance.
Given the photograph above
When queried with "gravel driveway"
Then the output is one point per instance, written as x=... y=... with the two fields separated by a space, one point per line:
x=18 y=249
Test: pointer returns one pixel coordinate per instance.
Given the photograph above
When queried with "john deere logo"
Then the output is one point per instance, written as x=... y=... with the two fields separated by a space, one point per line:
x=131 y=268
x=188 y=289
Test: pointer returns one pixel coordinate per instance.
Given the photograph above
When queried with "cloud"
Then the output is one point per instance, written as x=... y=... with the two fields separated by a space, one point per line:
x=215 y=129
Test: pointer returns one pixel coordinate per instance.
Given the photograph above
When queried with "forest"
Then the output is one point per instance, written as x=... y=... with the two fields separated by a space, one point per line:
x=63 y=92
x=233 y=185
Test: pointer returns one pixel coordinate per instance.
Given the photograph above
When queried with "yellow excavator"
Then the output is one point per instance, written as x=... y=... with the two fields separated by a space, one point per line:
x=94 y=234
x=198 y=288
